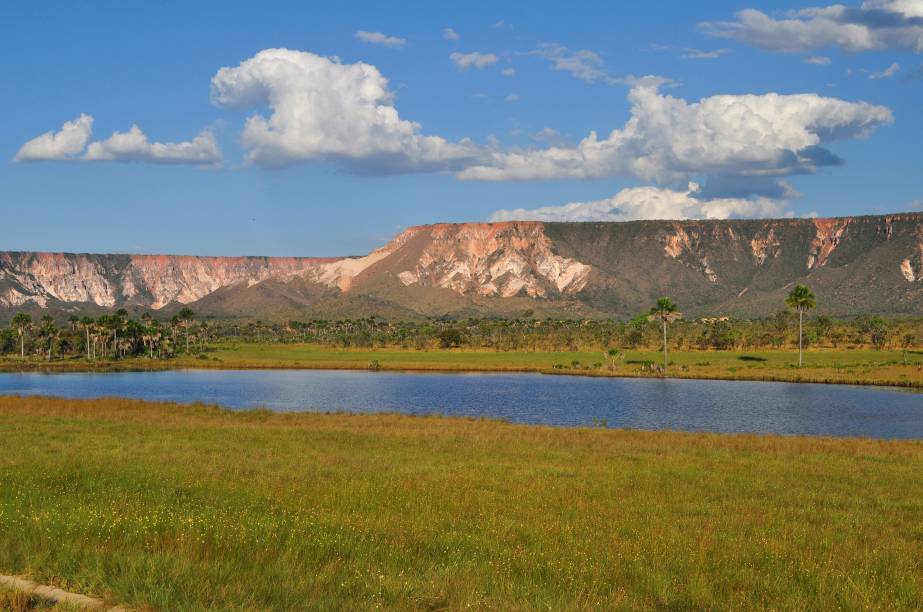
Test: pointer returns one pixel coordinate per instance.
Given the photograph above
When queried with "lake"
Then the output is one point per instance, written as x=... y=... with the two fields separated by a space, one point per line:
x=686 y=405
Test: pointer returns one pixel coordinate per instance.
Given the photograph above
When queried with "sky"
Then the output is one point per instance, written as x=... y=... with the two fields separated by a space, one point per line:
x=309 y=129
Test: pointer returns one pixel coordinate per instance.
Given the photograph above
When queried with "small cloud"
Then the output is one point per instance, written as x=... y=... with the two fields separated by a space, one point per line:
x=887 y=73
x=508 y=72
x=696 y=54
x=512 y=98
x=498 y=24
x=480 y=95
x=450 y=34
x=377 y=38
x=550 y=136
x=691 y=52
x=817 y=60
x=475 y=59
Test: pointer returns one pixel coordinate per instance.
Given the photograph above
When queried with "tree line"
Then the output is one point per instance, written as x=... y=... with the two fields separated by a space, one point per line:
x=109 y=336
x=117 y=335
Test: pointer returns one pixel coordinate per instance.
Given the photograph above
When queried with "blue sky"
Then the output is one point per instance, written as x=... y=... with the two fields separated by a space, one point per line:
x=493 y=135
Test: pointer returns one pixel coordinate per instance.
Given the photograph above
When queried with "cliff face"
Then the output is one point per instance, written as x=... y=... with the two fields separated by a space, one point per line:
x=859 y=264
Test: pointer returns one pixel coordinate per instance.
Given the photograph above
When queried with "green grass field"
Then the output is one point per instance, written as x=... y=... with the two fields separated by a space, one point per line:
x=190 y=507
x=829 y=366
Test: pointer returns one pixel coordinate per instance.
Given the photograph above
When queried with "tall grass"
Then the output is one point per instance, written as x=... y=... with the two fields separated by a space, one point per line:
x=189 y=507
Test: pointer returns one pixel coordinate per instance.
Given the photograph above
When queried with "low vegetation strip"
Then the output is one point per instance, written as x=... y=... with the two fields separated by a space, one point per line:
x=186 y=507
x=870 y=367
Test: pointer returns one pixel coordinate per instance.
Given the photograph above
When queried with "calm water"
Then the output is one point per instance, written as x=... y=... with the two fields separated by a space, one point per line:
x=690 y=405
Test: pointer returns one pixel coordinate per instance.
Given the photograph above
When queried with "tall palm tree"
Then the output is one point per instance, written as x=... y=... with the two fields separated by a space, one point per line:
x=21 y=322
x=666 y=312
x=87 y=323
x=800 y=299
x=186 y=317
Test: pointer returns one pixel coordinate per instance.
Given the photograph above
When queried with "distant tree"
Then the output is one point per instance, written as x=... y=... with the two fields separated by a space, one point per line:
x=666 y=312
x=801 y=300
x=21 y=322
x=450 y=338
x=877 y=330
x=87 y=323
x=49 y=334
x=907 y=341
x=186 y=317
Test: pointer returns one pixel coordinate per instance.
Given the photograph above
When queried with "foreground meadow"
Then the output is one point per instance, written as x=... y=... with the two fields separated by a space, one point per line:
x=184 y=507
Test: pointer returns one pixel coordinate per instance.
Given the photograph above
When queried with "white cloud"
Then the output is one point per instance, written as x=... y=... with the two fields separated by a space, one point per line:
x=817 y=60
x=649 y=203
x=508 y=72
x=690 y=53
x=669 y=139
x=512 y=98
x=887 y=73
x=875 y=24
x=450 y=34
x=584 y=64
x=475 y=59
x=377 y=38
x=323 y=109
x=70 y=142
x=498 y=24
x=64 y=144
x=133 y=146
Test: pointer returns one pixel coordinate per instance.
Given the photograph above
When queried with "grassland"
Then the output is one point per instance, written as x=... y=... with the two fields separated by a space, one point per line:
x=822 y=365
x=188 y=507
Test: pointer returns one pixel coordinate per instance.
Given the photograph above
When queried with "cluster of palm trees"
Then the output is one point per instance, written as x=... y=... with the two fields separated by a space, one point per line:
x=801 y=299
x=114 y=335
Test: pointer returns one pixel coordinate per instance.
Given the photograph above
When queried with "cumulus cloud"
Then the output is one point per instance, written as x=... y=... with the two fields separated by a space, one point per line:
x=475 y=59
x=323 y=109
x=450 y=34
x=64 y=144
x=649 y=203
x=377 y=38
x=668 y=140
x=817 y=60
x=130 y=146
x=875 y=24
x=133 y=146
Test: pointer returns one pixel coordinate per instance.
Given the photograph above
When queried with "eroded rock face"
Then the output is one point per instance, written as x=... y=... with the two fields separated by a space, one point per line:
x=828 y=236
x=686 y=245
x=494 y=259
x=149 y=280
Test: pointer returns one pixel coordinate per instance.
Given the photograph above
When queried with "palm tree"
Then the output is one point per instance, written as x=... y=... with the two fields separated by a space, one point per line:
x=665 y=311
x=87 y=323
x=49 y=333
x=186 y=317
x=800 y=300
x=21 y=322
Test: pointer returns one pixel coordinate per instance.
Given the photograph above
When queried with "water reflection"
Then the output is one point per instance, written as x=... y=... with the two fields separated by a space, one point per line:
x=690 y=405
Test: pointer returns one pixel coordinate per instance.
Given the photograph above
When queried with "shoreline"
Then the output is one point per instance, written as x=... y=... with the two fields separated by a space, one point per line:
x=167 y=366
x=887 y=368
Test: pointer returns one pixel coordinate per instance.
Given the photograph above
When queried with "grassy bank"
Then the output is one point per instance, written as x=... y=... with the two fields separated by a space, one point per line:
x=831 y=366
x=185 y=507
